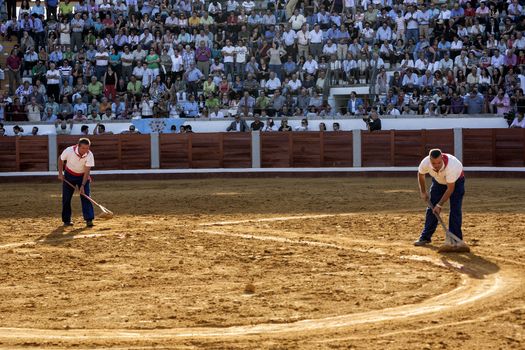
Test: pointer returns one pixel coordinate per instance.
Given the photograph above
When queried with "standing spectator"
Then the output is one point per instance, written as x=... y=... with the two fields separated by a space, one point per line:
x=13 y=66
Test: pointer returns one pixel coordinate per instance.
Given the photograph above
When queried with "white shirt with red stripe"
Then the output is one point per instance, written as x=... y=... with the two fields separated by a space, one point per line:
x=450 y=172
x=76 y=163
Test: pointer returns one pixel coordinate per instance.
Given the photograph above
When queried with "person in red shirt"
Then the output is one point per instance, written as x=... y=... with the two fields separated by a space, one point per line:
x=13 y=65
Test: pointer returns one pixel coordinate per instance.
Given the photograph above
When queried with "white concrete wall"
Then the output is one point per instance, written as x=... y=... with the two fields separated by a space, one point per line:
x=388 y=123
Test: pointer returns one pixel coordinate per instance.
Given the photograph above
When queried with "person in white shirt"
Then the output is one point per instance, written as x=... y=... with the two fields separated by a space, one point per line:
x=316 y=41
x=303 y=40
x=297 y=20
x=228 y=54
x=241 y=51
x=384 y=33
x=310 y=66
x=273 y=83
x=74 y=167
x=446 y=63
x=294 y=84
x=518 y=122
x=497 y=61
x=248 y=6
x=448 y=183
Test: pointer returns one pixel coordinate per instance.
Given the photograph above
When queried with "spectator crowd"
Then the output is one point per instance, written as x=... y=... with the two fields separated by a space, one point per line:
x=122 y=59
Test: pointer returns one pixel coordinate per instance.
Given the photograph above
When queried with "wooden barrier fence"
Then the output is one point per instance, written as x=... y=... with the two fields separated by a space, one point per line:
x=479 y=147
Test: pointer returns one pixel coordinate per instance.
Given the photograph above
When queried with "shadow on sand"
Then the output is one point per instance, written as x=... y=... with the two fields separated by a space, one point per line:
x=60 y=235
x=473 y=265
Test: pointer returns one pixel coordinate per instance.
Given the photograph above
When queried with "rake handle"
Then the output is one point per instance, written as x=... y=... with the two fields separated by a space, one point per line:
x=83 y=194
x=440 y=220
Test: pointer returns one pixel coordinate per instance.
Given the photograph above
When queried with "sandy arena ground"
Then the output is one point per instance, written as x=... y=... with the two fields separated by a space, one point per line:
x=260 y=264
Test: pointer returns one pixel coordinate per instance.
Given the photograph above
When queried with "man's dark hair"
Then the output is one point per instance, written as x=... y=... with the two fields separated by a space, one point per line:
x=84 y=128
x=435 y=153
x=84 y=141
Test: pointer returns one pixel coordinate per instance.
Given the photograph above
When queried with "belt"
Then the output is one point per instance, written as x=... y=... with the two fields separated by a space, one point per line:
x=73 y=173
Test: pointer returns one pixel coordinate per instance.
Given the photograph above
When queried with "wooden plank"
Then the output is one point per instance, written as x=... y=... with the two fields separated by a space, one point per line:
x=392 y=147
x=408 y=147
x=509 y=147
x=17 y=140
x=375 y=148
x=32 y=153
x=206 y=150
x=475 y=143
x=174 y=151
x=8 y=153
x=305 y=150
x=236 y=150
x=135 y=151
x=275 y=149
x=321 y=148
x=337 y=149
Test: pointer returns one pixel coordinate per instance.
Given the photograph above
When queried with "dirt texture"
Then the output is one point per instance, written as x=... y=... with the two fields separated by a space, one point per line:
x=260 y=264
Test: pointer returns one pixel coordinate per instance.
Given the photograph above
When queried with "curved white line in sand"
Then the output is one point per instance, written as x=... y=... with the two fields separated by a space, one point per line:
x=469 y=291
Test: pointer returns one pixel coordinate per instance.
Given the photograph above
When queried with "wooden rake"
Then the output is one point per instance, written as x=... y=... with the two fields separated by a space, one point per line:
x=106 y=213
x=453 y=244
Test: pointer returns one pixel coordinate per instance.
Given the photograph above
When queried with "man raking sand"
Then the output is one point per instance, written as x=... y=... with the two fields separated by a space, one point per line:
x=74 y=166
x=448 y=183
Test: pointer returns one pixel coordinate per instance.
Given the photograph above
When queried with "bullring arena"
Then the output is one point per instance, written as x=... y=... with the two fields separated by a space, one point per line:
x=290 y=263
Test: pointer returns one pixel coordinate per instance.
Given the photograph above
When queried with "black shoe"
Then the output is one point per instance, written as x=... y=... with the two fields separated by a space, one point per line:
x=66 y=224
x=421 y=242
x=89 y=223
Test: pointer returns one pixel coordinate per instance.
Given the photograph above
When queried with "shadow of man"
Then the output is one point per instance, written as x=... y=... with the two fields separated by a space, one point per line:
x=470 y=264
x=59 y=236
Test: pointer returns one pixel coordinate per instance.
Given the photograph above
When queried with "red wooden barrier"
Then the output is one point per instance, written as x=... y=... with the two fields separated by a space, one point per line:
x=115 y=151
x=8 y=158
x=376 y=148
x=403 y=147
x=32 y=153
x=237 y=150
x=175 y=151
x=481 y=147
x=494 y=147
x=276 y=150
x=337 y=149
x=213 y=150
x=306 y=149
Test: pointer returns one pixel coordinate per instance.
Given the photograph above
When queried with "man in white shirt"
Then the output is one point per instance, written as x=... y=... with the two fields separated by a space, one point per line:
x=310 y=66
x=297 y=20
x=74 y=166
x=241 y=51
x=101 y=62
x=273 y=83
x=448 y=182
x=228 y=52
x=384 y=33
x=497 y=61
x=316 y=41
x=303 y=40
x=289 y=40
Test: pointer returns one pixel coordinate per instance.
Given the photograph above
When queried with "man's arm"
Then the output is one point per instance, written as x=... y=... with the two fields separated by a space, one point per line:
x=446 y=196
x=85 y=179
x=60 y=169
x=422 y=186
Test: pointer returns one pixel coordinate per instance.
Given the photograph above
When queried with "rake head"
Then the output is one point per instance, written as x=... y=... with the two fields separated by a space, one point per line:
x=106 y=214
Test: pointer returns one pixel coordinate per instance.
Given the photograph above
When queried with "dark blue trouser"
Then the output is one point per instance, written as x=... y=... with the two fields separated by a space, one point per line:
x=67 y=194
x=456 y=199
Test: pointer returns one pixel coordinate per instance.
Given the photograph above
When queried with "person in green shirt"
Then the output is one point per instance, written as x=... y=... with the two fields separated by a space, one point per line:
x=39 y=71
x=211 y=102
x=66 y=9
x=153 y=60
x=90 y=39
x=134 y=86
x=95 y=88
x=261 y=103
